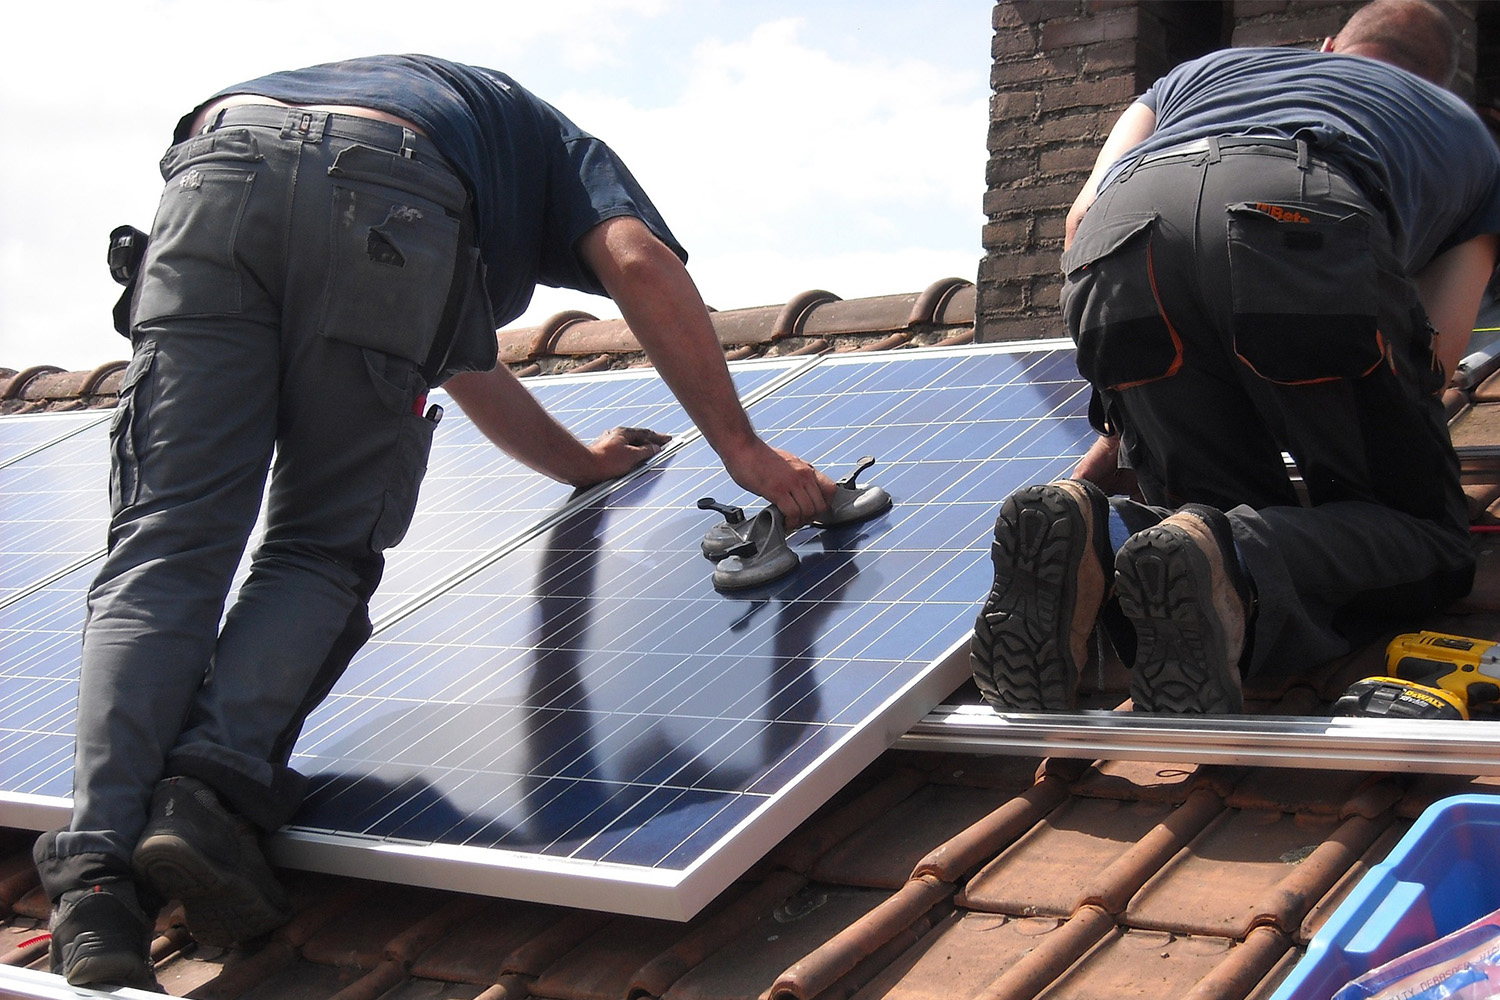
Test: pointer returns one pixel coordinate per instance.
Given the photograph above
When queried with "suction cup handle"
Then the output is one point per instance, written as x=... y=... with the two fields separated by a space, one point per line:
x=848 y=482
x=733 y=515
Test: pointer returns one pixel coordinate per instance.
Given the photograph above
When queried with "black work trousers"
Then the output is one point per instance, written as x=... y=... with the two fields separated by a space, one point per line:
x=1233 y=303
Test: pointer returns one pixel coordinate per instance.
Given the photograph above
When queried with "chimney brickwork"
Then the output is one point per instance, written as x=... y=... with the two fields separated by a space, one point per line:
x=1062 y=71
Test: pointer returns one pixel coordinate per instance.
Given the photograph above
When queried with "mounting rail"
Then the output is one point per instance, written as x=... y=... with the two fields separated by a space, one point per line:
x=1420 y=746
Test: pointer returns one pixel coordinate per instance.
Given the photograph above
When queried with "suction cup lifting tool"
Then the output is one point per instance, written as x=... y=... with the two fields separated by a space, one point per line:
x=727 y=534
x=762 y=555
x=852 y=503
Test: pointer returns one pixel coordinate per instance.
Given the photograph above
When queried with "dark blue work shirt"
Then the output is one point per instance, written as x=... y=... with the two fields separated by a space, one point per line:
x=538 y=182
x=1412 y=146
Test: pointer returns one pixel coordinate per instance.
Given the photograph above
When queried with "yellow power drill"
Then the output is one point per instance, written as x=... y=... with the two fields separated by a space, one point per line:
x=1430 y=675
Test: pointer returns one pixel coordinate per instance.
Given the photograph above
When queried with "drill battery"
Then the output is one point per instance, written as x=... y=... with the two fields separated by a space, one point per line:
x=1394 y=698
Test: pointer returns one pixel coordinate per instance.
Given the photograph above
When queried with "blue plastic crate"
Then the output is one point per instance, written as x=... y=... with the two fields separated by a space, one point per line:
x=1440 y=876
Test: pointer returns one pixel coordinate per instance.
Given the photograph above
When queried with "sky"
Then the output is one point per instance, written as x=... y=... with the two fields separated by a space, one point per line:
x=834 y=144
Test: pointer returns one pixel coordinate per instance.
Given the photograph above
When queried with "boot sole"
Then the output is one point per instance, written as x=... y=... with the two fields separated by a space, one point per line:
x=1163 y=581
x=222 y=907
x=100 y=964
x=1022 y=653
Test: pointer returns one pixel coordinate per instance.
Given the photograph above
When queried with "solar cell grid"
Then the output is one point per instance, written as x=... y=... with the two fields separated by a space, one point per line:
x=21 y=434
x=53 y=509
x=475 y=498
x=557 y=704
x=592 y=673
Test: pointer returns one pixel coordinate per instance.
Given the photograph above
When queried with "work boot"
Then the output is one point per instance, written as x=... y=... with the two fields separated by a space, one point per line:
x=1180 y=585
x=198 y=852
x=101 y=937
x=1052 y=567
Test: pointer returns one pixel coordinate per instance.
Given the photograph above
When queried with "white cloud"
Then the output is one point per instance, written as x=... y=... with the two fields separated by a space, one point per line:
x=796 y=152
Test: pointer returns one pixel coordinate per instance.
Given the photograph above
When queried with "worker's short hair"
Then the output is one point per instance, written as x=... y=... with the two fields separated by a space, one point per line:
x=1413 y=34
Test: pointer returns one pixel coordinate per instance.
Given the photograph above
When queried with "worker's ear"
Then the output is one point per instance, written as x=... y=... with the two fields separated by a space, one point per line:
x=1327 y=44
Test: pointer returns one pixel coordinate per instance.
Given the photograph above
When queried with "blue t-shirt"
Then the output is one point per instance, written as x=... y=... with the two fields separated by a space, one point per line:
x=1413 y=147
x=537 y=181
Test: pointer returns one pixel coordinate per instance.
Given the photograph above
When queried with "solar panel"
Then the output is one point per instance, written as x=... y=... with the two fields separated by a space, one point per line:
x=24 y=433
x=585 y=720
x=475 y=498
x=557 y=704
x=53 y=503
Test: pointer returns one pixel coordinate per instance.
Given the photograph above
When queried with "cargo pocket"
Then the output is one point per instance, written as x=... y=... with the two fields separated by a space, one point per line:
x=191 y=267
x=400 y=387
x=1110 y=304
x=393 y=246
x=129 y=430
x=1304 y=294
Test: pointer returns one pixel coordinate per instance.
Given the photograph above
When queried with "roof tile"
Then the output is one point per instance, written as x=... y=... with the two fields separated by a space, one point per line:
x=1058 y=863
x=505 y=937
x=774 y=942
x=299 y=980
x=1264 y=866
x=891 y=921
x=360 y=935
x=958 y=958
x=604 y=966
x=883 y=853
x=1112 y=889
x=1153 y=964
x=969 y=849
x=844 y=817
x=1310 y=791
x=1153 y=781
x=422 y=989
x=998 y=771
x=1373 y=855
x=1058 y=945
x=707 y=934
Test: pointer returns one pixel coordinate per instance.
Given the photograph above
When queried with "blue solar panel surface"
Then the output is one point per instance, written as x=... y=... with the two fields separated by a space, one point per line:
x=590 y=696
x=475 y=498
x=555 y=684
x=53 y=508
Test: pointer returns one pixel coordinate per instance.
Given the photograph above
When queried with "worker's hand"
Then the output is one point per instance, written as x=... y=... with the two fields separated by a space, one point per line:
x=1100 y=465
x=617 y=451
x=801 y=491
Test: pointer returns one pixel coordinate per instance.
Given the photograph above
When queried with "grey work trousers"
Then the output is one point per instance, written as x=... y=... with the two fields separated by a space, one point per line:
x=296 y=278
x=1233 y=303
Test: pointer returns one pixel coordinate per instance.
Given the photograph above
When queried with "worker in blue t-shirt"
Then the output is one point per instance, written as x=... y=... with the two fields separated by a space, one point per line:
x=1278 y=251
x=331 y=243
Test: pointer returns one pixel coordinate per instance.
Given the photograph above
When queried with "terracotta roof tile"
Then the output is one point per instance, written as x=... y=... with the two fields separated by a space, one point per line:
x=1152 y=781
x=1377 y=852
x=1056 y=945
x=707 y=934
x=775 y=941
x=1316 y=792
x=47 y=388
x=958 y=958
x=605 y=965
x=1265 y=867
x=481 y=948
x=1056 y=864
x=883 y=853
x=968 y=850
x=891 y=927
x=1137 y=963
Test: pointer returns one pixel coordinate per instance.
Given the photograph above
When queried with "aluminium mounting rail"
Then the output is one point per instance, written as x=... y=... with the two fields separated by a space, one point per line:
x=1419 y=746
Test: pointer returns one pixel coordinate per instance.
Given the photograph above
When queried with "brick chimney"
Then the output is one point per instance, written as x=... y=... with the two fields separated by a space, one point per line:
x=1063 y=70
